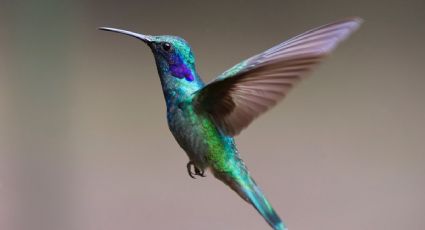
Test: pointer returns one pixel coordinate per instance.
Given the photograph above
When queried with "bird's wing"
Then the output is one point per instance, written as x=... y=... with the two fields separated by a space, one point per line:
x=239 y=95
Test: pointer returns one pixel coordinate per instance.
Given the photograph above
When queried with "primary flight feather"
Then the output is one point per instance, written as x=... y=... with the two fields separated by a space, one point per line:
x=204 y=118
x=251 y=87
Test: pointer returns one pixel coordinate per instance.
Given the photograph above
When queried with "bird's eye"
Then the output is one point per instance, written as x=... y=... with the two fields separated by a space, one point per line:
x=166 y=46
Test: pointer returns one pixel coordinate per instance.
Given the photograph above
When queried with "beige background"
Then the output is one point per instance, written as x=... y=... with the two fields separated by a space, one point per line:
x=83 y=137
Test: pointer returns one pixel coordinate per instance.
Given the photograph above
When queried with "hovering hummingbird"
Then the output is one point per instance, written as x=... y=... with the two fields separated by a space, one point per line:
x=204 y=118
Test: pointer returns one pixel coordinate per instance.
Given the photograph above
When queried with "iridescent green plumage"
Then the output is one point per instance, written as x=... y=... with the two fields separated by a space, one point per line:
x=204 y=118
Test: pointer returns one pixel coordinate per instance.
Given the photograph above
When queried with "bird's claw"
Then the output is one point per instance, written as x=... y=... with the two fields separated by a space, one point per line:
x=198 y=171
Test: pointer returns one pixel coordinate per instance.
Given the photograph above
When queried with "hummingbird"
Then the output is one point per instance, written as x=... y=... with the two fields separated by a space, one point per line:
x=205 y=118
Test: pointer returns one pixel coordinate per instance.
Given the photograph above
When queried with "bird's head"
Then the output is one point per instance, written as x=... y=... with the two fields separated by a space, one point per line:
x=173 y=55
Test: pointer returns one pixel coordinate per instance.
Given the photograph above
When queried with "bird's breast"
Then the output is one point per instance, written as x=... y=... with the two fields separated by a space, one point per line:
x=200 y=138
x=186 y=127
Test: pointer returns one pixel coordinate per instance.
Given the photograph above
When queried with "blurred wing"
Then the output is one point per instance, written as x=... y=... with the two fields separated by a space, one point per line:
x=251 y=87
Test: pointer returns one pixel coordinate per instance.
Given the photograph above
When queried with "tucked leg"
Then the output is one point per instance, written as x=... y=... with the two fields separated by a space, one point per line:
x=189 y=169
x=198 y=172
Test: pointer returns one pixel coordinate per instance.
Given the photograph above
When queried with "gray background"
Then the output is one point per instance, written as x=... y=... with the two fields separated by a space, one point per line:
x=83 y=137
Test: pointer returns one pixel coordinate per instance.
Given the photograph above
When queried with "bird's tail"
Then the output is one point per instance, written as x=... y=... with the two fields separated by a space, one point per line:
x=246 y=187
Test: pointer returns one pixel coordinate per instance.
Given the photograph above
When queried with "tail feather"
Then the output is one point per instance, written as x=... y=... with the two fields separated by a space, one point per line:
x=259 y=201
x=246 y=187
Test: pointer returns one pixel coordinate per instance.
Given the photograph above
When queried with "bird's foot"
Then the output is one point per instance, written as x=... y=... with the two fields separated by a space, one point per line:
x=198 y=171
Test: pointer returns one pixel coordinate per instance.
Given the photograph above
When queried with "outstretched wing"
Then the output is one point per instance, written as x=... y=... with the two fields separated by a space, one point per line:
x=250 y=88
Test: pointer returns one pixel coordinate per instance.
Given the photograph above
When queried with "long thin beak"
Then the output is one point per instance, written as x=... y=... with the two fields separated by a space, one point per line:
x=145 y=38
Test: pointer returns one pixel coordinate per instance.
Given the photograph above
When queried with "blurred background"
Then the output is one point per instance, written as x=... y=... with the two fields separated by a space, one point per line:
x=84 y=142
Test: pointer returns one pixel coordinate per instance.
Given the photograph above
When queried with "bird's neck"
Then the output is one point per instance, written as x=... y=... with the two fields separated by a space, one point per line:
x=178 y=82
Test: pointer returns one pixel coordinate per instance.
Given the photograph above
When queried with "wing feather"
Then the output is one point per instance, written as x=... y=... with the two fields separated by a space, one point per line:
x=253 y=86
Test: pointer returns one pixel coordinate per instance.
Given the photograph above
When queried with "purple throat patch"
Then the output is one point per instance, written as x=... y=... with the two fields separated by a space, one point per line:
x=180 y=70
